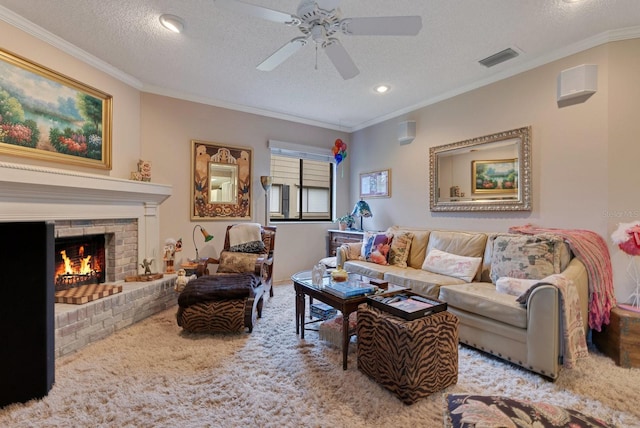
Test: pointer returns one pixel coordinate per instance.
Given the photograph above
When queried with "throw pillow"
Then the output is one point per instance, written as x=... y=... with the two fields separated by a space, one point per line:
x=526 y=257
x=514 y=286
x=495 y=411
x=231 y=262
x=375 y=247
x=399 y=251
x=454 y=265
x=249 y=247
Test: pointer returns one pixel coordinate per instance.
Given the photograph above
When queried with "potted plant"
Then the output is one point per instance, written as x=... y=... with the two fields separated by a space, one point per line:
x=346 y=222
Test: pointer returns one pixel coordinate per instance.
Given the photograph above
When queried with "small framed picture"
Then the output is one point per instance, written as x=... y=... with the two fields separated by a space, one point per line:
x=375 y=184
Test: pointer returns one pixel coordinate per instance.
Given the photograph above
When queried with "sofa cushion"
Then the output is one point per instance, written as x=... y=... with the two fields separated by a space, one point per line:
x=445 y=263
x=525 y=256
x=420 y=281
x=365 y=268
x=481 y=298
x=399 y=251
x=514 y=286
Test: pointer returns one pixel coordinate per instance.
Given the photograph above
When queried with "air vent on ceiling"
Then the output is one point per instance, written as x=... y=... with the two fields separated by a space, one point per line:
x=499 y=57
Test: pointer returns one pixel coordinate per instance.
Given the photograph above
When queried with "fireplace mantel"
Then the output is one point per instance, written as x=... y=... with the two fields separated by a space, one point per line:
x=34 y=193
x=30 y=182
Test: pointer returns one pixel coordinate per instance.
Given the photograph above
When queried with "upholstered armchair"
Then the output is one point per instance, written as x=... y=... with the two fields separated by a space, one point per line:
x=231 y=298
x=241 y=253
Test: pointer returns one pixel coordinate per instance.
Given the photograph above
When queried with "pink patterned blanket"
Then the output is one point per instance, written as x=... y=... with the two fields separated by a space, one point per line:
x=591 y=249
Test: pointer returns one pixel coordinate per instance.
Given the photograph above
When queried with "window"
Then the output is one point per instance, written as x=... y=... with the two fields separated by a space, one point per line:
x=302 y=188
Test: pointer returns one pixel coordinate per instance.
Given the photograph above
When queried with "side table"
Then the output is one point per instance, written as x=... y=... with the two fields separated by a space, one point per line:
x=620 y=340
x=339 y=237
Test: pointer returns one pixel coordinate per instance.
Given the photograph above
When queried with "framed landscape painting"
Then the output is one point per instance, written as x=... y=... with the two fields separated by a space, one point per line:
x=45 y=115
x=495 y=176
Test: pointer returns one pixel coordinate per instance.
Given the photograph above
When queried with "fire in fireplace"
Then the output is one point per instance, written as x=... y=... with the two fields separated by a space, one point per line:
x=79 y=261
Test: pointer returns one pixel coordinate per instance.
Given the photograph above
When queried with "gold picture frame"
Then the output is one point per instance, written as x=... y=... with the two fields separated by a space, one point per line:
x=221 y=186
x=494 y=176
x=375 y=184
x=46 y=115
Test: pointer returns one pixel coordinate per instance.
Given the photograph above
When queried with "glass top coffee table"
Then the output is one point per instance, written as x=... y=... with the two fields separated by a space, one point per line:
x=304 y=287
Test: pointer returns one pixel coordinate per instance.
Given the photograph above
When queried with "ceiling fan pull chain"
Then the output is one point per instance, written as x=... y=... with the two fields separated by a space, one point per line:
x=316 y=56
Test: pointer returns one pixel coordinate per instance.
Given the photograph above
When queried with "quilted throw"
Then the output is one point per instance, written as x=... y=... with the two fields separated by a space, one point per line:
x=573 y=335
x=591 y=249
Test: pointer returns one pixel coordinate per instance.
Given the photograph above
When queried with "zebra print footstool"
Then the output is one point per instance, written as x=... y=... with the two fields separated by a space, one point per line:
x=412 y=359
x=220 y=303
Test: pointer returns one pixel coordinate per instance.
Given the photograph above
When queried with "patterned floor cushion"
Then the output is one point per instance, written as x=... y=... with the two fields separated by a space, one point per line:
x=465 y=411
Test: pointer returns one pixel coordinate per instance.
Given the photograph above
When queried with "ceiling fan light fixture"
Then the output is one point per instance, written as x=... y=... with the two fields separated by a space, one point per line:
x=381 y=89
x=172 y=23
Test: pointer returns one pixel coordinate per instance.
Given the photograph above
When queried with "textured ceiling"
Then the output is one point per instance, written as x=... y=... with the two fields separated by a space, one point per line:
x=214 y=59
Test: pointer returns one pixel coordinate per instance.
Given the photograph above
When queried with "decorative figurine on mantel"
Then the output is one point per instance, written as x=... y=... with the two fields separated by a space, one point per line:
x=146 y=264
x=169 y=251
x=144 y=171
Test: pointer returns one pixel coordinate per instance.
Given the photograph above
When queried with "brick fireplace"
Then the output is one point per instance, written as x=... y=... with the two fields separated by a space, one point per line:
x=125 y=212
x=81 y=203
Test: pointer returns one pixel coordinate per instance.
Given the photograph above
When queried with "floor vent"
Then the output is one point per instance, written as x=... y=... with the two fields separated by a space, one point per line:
x=499 y=57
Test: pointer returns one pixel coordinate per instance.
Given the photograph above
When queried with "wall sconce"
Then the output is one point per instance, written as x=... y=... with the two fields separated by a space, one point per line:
x=266 y=181
x=206 y=235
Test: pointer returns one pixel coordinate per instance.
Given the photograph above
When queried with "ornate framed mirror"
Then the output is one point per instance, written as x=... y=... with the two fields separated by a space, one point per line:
x=221 y=184
x=490 y=173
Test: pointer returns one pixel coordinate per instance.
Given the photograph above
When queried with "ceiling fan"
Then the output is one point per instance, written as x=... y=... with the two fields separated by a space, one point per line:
x=319 y=21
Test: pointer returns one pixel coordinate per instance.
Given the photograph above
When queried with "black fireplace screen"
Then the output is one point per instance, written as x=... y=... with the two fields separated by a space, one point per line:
x=79 y=261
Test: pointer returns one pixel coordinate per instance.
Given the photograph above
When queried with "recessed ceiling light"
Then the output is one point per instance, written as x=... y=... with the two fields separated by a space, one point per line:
x=381 y=89
x=571 y=1
x=172 y=23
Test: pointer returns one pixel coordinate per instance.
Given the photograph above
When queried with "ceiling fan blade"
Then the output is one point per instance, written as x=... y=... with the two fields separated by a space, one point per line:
x=328 y=4
x=341 y=59
x=382 y=26
x=282 y=54
x=259 y=12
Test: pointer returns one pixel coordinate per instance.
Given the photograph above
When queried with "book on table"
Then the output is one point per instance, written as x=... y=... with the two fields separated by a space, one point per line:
x=407 y=305
x=349 y=288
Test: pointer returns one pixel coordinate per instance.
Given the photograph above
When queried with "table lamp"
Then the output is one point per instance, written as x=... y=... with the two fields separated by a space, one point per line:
x=206 y=235
x=266 y=181
x=361 y=209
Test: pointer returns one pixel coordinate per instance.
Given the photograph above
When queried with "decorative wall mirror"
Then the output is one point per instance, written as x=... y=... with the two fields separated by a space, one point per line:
x=490 y=173
x=221 y=185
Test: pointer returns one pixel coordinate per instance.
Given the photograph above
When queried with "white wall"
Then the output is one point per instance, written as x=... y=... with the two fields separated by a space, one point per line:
x=577 y=151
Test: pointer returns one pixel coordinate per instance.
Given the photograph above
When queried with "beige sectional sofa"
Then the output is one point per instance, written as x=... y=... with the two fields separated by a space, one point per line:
x=490 y=319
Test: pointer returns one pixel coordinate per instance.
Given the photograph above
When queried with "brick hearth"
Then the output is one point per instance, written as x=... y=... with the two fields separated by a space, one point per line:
x=79 y=325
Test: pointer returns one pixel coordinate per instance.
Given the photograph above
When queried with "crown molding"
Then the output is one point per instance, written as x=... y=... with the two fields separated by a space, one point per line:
x=597 y=40
x=40 y=33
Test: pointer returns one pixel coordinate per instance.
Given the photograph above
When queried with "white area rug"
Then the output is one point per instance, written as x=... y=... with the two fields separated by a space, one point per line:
x=154 y=375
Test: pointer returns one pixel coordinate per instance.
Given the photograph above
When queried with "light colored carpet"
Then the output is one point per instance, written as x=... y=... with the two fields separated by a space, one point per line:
x=154 y=375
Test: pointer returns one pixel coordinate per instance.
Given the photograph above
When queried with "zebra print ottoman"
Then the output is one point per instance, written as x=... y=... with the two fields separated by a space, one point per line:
x=412 y=359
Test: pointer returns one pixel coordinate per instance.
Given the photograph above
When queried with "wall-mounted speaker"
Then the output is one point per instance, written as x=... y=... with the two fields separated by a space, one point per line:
x=577 y=81
x=406 y=131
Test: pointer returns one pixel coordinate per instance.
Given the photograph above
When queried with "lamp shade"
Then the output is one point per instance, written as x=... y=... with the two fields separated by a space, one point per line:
x=266 y=181
x=207 y=238
x=361 y=209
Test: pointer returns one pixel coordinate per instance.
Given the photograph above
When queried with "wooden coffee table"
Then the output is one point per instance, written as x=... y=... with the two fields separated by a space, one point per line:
x=304 y=287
